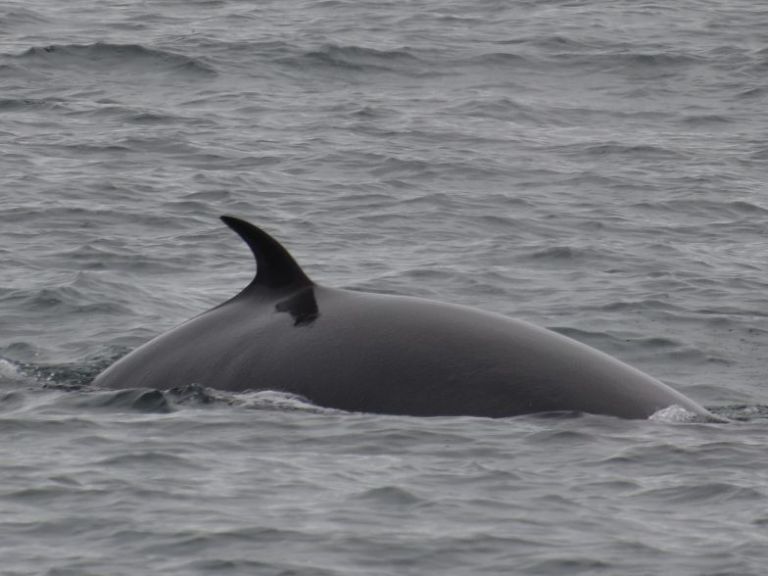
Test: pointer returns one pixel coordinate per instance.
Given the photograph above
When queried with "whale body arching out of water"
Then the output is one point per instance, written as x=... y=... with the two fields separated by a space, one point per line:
x=385 y=354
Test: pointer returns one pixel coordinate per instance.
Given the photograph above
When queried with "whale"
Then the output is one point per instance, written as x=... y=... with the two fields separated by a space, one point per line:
x=385 y=354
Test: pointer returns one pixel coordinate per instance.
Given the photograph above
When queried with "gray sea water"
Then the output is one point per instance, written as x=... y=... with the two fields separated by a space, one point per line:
x=596 y=167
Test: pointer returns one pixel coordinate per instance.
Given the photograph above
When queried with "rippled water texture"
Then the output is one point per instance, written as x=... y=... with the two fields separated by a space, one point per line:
x=598 y=168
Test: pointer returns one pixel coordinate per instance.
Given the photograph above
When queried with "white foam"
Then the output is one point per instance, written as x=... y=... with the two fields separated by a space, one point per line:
x=273 y=400
x=673 y=413
x=9 y=371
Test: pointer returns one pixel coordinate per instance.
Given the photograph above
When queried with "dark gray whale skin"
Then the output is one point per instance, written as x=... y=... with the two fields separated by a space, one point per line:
x=385 y=354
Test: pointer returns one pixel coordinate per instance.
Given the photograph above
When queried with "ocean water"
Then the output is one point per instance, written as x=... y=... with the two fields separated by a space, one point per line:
x=595 y=167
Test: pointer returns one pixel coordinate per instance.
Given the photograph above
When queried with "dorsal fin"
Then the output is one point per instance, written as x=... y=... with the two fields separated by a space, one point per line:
x=275 y=267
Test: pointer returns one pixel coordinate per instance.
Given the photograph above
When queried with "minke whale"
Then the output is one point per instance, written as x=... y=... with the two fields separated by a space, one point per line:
x=375 y=353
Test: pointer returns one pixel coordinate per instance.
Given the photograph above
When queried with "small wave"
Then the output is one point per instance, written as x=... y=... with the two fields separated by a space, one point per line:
x=742 y=412
x=659 y=342
x=746 y=207
x=553 y=42
x=560 y=51
x=65 y=300
x=12 y=401
x=135 y=399
x=74 y=376
x=636 y=150
x=702 y=206
x=20 y=17
x=571 y=565
x=577 y=334
x=358 y=58
x=149 y=458
x=391 y=496
x=498 y=59
x=640 y=304
x=502 y=108
x=709 y=492
x=756 y=92
x=134 y=115
x=29 y=104
x=705 y=119
x=654 y=58
x=555 y=253
x=141 y=400
x=626 y=58
x=760 y=154
x=566 y=253
x=105 y=56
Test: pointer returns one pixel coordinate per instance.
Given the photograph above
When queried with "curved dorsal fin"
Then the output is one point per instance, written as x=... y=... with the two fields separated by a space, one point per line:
x=275 y=267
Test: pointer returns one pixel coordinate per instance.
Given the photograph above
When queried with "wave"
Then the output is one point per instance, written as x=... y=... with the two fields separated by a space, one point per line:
x=361 y=59
x=752 y=93
x=66 y=376
x=559 y=50
x=497 y=59
x=705 y=119
x=735 y=209
x=646 y=151
x=20 y=17
x=29 y=104
x=644 y=59
x=108 y=56
x=79 y=297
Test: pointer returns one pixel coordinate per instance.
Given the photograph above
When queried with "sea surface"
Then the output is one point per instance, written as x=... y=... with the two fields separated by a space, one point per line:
x=596 y=167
